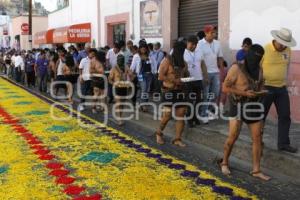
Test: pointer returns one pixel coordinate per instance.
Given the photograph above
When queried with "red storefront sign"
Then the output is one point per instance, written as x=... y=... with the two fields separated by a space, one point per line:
x=44 y=37
x=79 y=33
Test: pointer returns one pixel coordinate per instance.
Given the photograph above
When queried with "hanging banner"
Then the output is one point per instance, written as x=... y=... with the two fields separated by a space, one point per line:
x=151 y=18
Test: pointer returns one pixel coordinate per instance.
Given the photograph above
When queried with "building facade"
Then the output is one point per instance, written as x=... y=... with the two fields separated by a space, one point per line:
x=155 y=20
x=19 y=36
x=166 y=20
x=78 y=12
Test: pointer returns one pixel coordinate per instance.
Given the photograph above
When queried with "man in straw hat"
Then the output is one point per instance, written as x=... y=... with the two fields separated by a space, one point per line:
x=275 y=66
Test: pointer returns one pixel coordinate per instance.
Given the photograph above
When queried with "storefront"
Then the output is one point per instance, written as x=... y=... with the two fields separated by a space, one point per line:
x=136 y=19
x=19 y=32
x=78 y=33
x=43 y=38
x=76 y=13
x=4 y=31
x=195 y=14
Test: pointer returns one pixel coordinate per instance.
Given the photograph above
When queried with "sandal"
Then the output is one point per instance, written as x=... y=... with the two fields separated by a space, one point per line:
x=178 y=142
x=260 y=175
x=159 y=138
x=224 y=168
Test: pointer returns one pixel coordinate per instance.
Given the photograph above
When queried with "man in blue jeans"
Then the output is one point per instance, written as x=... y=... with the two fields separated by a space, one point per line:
x=275 y=65
x=213 y=59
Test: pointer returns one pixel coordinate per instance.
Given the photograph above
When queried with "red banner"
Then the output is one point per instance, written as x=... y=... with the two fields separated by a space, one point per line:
x=79 y=33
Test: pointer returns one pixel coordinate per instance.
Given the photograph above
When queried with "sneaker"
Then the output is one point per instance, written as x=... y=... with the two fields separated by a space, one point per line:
x=81 y=108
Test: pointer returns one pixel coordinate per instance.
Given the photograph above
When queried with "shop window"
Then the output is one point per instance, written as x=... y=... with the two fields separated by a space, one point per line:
x=119 y=32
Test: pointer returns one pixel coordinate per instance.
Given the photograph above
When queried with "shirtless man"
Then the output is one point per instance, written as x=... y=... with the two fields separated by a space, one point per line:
x=98 y=83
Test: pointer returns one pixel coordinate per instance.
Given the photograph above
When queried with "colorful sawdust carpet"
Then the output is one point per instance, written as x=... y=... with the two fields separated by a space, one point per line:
x=47 y=157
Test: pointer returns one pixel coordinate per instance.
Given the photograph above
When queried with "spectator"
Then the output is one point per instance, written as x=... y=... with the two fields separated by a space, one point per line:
x=275 y=65
x=124 y=50
x=83 y=53
x=60 y=69
x=195 y=64
x=19 y=67
x=133 y=77
x=29 y=69
x=144 y=66
x=200 y=35
x=213 y=58
x=41 y=67
x=85 y=78
x=241 y=54
x=158 y=56
x=111 y=56
x=111 y=61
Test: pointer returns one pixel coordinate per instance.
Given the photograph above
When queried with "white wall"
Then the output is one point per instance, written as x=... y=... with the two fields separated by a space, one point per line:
x=78 y=12
x=256 y=18
x=114 y=7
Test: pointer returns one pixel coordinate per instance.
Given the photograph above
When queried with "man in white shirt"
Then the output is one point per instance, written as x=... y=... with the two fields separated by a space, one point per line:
x=197 y=70
x=125 y=49
x=85 y=76
x=213 y=58
x=111 y=61
x=111 y=56
x=158 y=56
x=19 y=67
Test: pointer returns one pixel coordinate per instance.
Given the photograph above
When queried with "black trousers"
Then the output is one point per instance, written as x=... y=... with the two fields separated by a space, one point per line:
x=30 y=78
x=195 y=90
x=280 y=97
x=86 y=89
x=135 y=83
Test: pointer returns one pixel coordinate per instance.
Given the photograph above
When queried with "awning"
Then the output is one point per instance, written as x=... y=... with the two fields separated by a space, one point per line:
x=44 y=37
x=79 y=33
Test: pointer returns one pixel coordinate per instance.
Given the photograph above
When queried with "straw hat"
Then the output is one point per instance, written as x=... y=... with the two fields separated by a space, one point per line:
x=284 y=37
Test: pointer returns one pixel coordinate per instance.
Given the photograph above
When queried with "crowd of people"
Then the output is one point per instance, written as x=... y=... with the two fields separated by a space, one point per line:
x=193 y=72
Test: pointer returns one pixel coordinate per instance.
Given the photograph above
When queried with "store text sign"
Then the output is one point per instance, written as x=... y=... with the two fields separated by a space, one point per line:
x=78 y=33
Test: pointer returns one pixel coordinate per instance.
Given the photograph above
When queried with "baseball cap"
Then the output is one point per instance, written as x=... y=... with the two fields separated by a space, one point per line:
x=208 y=28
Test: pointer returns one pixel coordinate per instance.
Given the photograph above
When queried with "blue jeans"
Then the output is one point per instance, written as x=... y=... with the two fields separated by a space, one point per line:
x=211 y=92
x=145 y=87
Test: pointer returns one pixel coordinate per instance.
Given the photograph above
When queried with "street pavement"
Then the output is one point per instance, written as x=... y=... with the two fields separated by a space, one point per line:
x=204 y=157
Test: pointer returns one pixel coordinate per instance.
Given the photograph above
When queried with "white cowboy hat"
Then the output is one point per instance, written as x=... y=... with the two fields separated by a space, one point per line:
x=284 y=37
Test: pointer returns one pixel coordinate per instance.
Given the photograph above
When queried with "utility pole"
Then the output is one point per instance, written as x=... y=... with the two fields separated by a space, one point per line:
x=30 y=24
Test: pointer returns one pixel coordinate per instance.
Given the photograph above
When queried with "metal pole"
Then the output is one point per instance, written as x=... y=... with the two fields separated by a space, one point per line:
x=30 y=24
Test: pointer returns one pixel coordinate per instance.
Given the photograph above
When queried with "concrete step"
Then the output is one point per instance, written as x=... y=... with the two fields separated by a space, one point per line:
x=213 y=138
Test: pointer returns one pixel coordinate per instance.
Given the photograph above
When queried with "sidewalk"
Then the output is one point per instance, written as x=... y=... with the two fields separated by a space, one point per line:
x=214 y=135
